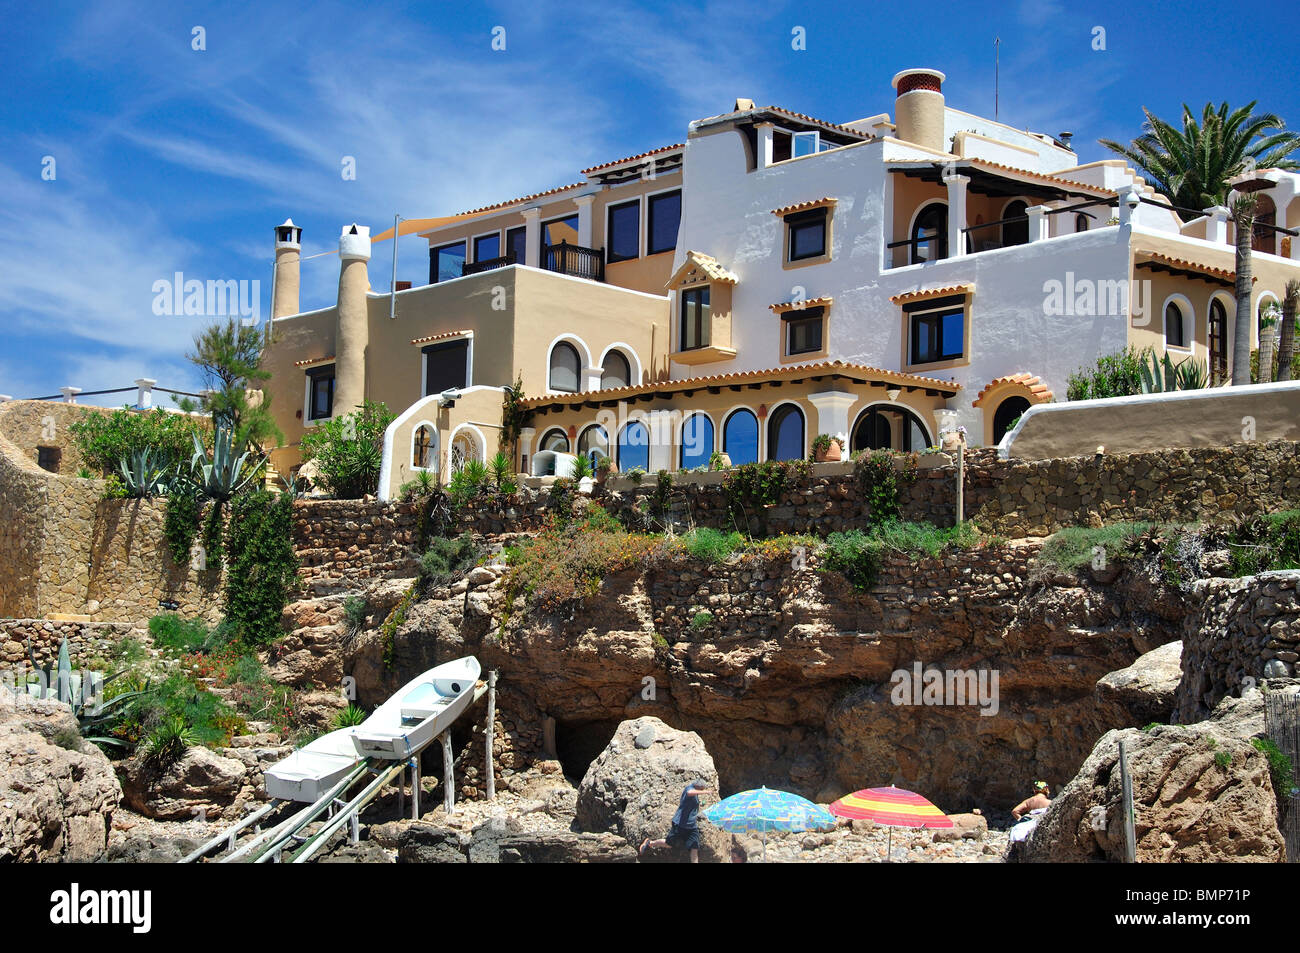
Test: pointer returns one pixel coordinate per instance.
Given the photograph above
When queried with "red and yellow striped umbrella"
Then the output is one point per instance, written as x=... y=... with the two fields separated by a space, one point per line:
x=891 y=806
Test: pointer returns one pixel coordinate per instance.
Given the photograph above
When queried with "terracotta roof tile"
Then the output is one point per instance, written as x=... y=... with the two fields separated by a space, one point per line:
x=314 y=360
x=1151 y=256
x=922 y=294
x=1038 y=391
x=441 y=337
x=811 y=203
x=639 y=155
x=775 y=373
x=783 y=306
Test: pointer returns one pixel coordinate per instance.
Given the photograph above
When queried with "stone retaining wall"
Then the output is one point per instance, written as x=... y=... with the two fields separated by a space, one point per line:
x=1241 y=632
x=1010 y=498
x=86 y=640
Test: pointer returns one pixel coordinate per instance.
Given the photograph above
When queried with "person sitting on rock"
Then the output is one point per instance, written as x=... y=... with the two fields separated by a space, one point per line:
x=1037 y=801
x=685 y=831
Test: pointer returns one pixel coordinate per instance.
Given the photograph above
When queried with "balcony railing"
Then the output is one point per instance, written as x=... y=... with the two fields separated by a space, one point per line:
x=575 y=260
x=488 y=264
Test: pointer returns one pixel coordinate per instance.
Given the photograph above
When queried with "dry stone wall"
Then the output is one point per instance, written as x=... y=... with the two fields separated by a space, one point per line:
x=86 y=640
x=1014 y=499
x=1241 y=632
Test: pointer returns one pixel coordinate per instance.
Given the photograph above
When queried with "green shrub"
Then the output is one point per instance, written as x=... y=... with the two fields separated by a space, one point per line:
x=1265 y=542
x=348 y=450
x=1115 y=375
x=445 y=558
x=425 y=483
x=854 y=554
x=1223 y=759
x=129 y=651
x=711 y=545
x=105 y=438
x=880 y=482
x=263 y=567
x=1280 y=768
x=350 y=717
x=180 y=636
x=560 y=503
x=566 y=563
x=701 y=620
x=1075 y=547
x=355 y=609
x=169 y=739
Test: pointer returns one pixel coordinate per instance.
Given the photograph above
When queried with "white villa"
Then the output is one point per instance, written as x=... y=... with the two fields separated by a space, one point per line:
x=773 y=278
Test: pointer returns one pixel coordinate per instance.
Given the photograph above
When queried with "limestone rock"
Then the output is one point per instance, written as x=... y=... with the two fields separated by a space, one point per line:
x=964 y=827
x=201 y=782
x=1144 y=691
x=1202 y=794
x=56 y=799
x=634 y=792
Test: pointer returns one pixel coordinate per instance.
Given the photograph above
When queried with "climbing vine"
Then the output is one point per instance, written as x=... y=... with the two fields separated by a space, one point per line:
x=514 y=417
x=262 y=564
x=181 y=525
x=879 y=482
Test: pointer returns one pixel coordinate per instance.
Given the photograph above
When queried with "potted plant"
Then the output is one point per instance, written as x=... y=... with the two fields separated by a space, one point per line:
x=825 y=448
x=604 y=467
x=719 y=461
x=954 y=439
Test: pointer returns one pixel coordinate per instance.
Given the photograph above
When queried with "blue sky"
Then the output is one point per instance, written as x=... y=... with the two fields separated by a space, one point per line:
x=170 y=159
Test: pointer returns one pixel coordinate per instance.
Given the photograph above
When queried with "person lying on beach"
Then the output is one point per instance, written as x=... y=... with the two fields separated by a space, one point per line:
x=685 y=831
x=1041 y=798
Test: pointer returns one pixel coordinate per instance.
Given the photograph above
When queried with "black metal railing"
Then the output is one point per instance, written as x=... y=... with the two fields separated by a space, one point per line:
x=575 y=260
x=488 y=264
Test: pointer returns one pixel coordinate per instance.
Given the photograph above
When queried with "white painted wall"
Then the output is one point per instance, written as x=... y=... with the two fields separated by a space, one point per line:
x=727 y=214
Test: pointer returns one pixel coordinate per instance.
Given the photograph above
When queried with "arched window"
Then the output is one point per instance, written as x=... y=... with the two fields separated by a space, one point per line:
x=740 y=437
x=594 y=442
x=1081 y=222
x=424 y=448
x=930 y=234
x=697 y=441
x=556 y=440
x=615 y=371
x=634 y=447
x=1008 y=412
x=1015 y=233
x=464 y=448
x=785 y=433
x=1175 y=326
x=889 y=428
x=565 y=368
x=1218 y=339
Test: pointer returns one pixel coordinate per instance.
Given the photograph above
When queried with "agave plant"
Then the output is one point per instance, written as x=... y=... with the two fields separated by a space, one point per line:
x=1163 y=375
x=83 y=693
x=145 y=473
x=227 y=472
x=502 y=475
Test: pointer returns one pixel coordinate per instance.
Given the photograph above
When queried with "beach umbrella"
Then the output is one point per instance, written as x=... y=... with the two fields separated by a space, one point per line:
x=892 y=807
x=766 y=810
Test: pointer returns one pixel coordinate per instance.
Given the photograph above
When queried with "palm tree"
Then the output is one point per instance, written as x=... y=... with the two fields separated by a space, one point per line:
x=1192 y=165
x=1243 y=217
x=1286 y=339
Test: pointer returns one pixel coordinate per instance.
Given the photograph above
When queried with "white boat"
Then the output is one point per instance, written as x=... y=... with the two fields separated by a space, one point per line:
x=411 y=719
x=431 y=702
x=314 y=768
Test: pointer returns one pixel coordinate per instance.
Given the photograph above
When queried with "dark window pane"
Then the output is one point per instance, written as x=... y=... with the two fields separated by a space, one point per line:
x=444 y=366
x=697 y=441
x=321 y=404
x=930 y=235
x=448 y=261
x=695 y=318
x=807 y=234
x=517 y=244
x=1015 y=233
x=938 y=336
x=785 y=434
x=740 y=437
x=487 y=247
x=665 y=217
x=594 y=442
x=556 y=440
x=804 y=335
x=616 y=371
x=624 y=231
x=565 y=367
x=634 y=447
x=561 y=229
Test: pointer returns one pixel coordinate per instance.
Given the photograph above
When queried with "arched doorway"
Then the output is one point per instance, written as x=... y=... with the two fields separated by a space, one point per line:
x=930 y=234
x=883 y=427
x=1015 y=233
x=1007 y=413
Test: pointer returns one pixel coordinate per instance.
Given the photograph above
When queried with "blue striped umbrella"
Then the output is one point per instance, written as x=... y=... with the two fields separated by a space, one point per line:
x=768 y=810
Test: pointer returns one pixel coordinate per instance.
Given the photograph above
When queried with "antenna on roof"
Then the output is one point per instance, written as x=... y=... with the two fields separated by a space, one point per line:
x=997 y=45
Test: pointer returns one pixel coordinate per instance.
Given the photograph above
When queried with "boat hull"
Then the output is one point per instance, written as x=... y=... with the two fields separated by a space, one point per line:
x=429 y=706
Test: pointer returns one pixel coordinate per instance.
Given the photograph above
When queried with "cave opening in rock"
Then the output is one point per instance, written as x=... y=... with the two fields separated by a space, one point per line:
x=578 y=743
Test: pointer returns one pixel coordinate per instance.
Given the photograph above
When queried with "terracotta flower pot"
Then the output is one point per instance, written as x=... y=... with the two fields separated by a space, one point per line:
x=831 y=453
